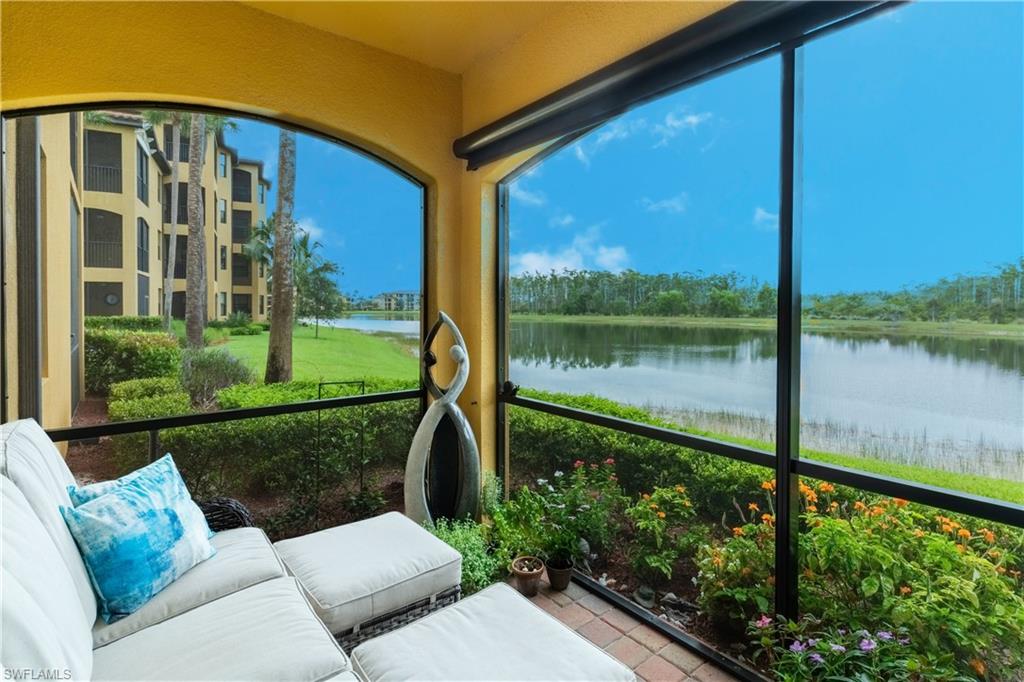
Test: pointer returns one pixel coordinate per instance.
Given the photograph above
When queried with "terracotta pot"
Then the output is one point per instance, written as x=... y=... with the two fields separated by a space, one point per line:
x=559 y=573
x=527 y=571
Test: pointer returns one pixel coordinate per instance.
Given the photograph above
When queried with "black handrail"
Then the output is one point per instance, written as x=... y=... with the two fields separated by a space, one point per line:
x=220 y=416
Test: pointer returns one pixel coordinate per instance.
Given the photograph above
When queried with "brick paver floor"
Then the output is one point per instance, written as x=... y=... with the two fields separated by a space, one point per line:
x=648 y=652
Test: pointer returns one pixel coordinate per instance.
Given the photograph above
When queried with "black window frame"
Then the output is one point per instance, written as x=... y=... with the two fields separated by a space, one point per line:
x=107 y=176
x=183 y=143
x=222 y=164
x=223 y=257
x=787 y=463
x=102 y=247
x=142 y=245
x=241 y=188
x=142 y=174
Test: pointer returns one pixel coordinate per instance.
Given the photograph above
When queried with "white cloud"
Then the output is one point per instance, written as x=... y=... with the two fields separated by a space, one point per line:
x=585 y=251
x=309 y=225
x=525 y=196
x=581 y=154
x=562 y=220
x=766 y=220
x=676 y=204
x=676 y=122
x=591 y=145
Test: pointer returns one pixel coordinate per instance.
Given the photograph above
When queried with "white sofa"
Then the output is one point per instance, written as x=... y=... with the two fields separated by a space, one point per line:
x=241 y=615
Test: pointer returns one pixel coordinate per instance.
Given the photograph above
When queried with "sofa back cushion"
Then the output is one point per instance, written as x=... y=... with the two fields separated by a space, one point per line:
x=30 y=459
x=43 y=628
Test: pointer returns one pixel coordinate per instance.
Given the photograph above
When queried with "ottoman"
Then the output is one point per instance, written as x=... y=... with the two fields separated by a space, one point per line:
x=369 y=577
x=495 y=634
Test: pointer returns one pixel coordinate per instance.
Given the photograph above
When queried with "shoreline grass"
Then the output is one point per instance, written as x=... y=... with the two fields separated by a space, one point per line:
x=876 y=327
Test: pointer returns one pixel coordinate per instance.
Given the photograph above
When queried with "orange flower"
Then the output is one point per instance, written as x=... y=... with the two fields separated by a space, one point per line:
x=645 y=496
x=994 y=553
x=770 y=580
x=1000 y=570
x=833 y=506
x=859 y=506
x=687 y=503
x=905 y=590
x=978 y=665
x=946 y=528
x=753 y=506
x=767 y=518
x=654 y=505
x=737 y=531
x=960 y=548
x=918 y=533
x=826 y=487
x=899 y=502
x=812 y=508
x=964 y=533
x=661 y=515
x=680 y=489
x=989 y=536
x=769 y=485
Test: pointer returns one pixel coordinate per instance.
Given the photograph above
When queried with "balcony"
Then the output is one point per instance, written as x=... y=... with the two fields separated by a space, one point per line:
x=101 y=254
x=103 y=178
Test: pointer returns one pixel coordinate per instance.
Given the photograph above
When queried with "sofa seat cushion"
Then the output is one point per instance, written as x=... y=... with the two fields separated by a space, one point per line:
x=42 y=627
x=362 y=570
x=496 y=634
x=264 y=632
x=30 y=459
x=244 y=558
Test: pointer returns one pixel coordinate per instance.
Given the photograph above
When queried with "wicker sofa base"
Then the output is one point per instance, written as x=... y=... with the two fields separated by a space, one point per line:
x=396 y=619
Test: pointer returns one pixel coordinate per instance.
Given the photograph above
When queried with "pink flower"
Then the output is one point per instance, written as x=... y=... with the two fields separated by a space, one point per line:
x=609 y=461
x=577 y=464
x=763 y=622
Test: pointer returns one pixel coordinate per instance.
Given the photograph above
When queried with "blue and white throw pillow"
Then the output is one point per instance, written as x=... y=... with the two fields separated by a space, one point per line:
x=138 y=538
x=162 y=470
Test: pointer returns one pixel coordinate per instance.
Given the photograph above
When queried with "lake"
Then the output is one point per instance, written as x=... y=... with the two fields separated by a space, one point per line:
x=948 y=402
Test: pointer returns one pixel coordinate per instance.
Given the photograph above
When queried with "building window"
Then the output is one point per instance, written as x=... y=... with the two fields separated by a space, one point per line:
x=241 y=303
x=180 y=256
x=182 y=144
x=142 y=244
x=241 y=185
x=102 y=161
x=222 y=165
x=263 y=191
x=143 y=295
x=241 y=227
x=103 y=298
x=223 y=258
x=241 y=269
x=182 y=203
x=222 y=304
x=262 y=301
x=142 y=175
x=222 y=210
x=102 y=239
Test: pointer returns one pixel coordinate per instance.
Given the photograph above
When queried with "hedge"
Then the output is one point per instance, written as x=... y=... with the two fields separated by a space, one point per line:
x=247 y=330
x=275 y=454
x=113 y=356
x=144 y=388
x=127 y=322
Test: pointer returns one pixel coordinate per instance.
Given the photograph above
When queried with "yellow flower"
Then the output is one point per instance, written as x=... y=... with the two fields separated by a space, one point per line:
x=680 y=489
x=654 y=505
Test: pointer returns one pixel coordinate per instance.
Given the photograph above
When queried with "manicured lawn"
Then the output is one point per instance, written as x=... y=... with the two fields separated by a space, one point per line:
x=338 y=355
x=878 y=327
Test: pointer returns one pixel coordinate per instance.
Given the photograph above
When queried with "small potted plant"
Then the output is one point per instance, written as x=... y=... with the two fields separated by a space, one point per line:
x=527 y=571
x=562 y=552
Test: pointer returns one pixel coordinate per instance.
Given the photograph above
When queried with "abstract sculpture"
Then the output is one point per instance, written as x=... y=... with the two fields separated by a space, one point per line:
x=442 y=474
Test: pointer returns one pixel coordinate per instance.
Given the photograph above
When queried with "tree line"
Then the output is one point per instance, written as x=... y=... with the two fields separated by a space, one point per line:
x=994 y=297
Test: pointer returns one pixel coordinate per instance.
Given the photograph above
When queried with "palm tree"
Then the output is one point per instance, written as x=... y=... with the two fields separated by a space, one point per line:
x=282 y=310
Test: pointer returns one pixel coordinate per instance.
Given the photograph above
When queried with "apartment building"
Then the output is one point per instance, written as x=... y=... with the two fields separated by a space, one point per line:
x=398 y=300
x=127 y=220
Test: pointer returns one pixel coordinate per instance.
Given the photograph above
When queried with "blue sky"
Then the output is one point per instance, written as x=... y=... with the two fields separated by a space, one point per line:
x=913 y=169
x=366 y=216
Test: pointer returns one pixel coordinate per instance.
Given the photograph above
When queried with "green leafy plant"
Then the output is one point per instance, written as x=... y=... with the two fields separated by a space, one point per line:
x=480 y=566
x=661 y=521
x=144 y=388
x=124 y=322
x=517 y=528
x=247 y=330
x=204 y=371
x=113 y=356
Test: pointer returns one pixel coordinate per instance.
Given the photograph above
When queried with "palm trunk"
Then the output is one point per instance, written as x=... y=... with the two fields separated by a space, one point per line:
x=282 y=310
x=194 y=301
x=172 y=242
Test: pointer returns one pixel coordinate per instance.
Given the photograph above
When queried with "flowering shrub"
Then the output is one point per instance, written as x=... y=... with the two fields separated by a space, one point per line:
x=955 y=588
x=805 y=650
x=661 y=531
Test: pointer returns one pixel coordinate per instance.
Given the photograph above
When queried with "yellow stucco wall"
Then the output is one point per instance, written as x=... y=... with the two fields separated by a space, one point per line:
x=399 y=109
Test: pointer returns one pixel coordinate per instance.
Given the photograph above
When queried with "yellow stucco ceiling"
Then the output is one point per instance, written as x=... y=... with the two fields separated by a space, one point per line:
x=445 y=35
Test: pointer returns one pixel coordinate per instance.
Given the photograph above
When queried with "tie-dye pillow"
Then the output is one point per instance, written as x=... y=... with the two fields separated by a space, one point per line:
x=138 y=538
x=163 y=469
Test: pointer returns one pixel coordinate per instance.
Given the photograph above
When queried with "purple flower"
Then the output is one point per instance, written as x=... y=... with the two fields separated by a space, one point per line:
x=812 y=642
x=816 y=659
x=867 y=644
x=884 y=635
x=797 y=646
x=841 y=632
x=903 y=641
x=838 y=648
x=763 y=622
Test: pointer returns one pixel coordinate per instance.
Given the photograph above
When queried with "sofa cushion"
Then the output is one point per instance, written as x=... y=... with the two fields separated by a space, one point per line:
x=244 y=558
x=264 y=632
x=138 y=539
x=366 y=569
x=496 y=634
x=30 y=459
x=42 y=626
